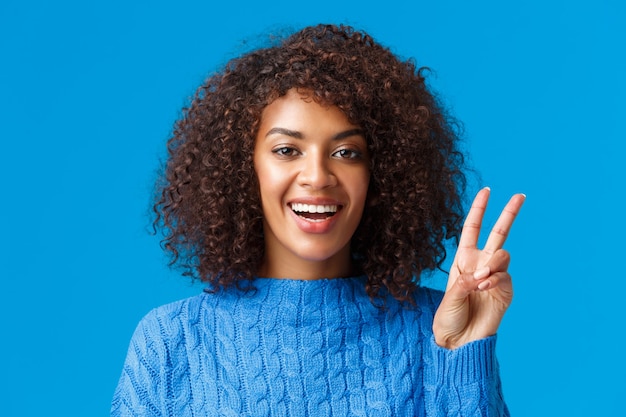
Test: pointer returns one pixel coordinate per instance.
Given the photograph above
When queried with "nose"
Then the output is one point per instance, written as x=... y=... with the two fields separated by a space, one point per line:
x=316 y=172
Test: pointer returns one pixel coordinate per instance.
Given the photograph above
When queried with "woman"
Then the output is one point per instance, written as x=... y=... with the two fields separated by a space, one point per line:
x=310 y=184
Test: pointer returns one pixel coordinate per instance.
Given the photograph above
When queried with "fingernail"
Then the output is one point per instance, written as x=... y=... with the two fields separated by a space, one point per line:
x=484 y=285
x=481 y=273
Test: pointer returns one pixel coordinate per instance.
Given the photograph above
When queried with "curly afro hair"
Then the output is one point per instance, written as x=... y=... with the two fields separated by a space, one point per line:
x=207 y=201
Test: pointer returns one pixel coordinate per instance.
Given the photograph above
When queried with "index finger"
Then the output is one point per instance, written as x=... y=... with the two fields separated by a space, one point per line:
x=473 y=221
x=501 y=229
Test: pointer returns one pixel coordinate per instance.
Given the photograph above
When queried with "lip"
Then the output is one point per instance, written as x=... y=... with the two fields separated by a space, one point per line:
x=319 y=226
x=316 y=201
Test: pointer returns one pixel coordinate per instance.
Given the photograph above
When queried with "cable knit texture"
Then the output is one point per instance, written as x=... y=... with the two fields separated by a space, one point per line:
x=303 y=348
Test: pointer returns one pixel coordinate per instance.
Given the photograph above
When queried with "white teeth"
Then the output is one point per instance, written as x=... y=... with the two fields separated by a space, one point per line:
x=313 y=208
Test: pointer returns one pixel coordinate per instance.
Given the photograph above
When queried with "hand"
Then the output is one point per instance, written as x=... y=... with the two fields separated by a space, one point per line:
x=479 y=288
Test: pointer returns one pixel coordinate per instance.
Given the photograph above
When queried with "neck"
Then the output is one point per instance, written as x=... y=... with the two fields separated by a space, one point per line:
x=337 y=266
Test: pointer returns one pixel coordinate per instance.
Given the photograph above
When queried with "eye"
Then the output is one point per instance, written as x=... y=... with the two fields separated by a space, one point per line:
x=285 y=151
x=347 y=153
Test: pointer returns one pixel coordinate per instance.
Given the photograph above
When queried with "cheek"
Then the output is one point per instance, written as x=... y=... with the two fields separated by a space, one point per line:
x=361 y=186
x=271 y=183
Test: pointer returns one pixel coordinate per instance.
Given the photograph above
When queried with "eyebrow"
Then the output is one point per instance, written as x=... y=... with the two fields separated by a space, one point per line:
x=298 y=135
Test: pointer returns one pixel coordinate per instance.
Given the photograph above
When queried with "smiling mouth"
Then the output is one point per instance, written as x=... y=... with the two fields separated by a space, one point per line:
x=315 y=212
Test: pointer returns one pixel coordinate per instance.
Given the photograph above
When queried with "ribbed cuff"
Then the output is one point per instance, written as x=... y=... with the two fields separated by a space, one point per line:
x=473 y=362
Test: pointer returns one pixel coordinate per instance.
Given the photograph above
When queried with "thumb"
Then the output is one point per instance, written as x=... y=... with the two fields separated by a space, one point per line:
x=465 y=284
x=453 y=314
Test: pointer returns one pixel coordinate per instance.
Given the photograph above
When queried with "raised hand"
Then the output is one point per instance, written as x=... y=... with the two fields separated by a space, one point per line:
x=479 y=288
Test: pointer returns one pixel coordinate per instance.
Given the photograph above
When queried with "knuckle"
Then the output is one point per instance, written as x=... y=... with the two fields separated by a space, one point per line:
x=466 y=282
x=502 y=277
x=502 y=231
x=502 y=255
x=470 y=224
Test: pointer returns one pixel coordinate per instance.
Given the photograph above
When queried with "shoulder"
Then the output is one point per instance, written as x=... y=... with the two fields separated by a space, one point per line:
x=169 y=321
x=427 y=298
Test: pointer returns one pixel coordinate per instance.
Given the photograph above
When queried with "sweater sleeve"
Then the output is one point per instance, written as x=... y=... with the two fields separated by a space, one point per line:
x=464 y=381
x=140 y=388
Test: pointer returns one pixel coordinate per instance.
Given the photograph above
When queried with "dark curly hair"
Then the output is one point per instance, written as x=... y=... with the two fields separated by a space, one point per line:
x=208 y=201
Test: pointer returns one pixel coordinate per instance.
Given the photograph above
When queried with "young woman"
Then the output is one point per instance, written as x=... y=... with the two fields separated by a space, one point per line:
x=310 y=184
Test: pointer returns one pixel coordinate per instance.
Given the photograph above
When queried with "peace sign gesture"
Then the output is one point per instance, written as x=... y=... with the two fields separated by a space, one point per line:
x=479 y=288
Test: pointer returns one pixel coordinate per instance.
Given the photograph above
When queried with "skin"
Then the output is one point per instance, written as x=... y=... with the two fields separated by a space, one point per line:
x=479 y=289
x=307 y=152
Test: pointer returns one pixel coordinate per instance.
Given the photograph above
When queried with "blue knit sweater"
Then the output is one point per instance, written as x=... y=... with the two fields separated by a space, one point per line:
x=303 y=348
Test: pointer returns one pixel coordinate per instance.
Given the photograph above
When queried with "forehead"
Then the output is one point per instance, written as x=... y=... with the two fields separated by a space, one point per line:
x=299 y=109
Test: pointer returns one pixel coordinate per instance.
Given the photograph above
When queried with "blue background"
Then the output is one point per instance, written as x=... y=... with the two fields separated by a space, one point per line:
x=89 y=92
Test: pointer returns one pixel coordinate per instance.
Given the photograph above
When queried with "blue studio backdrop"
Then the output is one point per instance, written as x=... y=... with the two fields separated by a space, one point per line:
x=89 y=92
